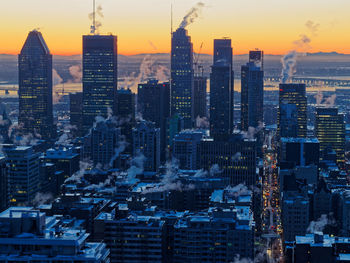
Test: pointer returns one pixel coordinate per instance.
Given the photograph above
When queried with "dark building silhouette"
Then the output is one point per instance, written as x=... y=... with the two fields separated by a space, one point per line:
x=99 y=77
x=257 y=57
x=76 y=111
x=146 y=139
x=252 y=96
x=125 y=112
x=35 y=86
x=153 y=103
x=299 y=152
x=292 y=112
x=330 y=131
x=182 y=75
x=4 y=185
x=222 y=51
x=200 y=97
x=235 y=158
x=101 y=143
x=221 y=90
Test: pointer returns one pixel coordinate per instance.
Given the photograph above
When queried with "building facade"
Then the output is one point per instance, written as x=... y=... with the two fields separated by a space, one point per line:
x=182 y=75
x=292 y=112
x=99 y=77
x=35 y=87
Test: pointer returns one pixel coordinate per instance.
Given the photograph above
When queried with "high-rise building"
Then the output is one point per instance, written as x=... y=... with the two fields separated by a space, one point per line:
x=35 y=86
x=221 y=91
x=175 y=124
x=133 y=238
x=234 y=158
x=330 y=131
x=125 y=112
x=146 y=139
x=200 y=97
x=223 y=51
x=292 y=112
x=252 y=96
x=182 y=75
x=125 y=104
x=299 y=152
x=185 y=149
x=29 y=235
x=76 y=112
x=221 y=235
x=23 y=173
x=153 y=103
x=99 y=77
x=221 y=100
x=257 y=57
x=295 y=214
x=102 y=143
x=4 y=184
x=65 y=160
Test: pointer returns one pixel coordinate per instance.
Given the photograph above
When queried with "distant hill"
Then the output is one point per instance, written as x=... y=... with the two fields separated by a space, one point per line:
x=312 y=64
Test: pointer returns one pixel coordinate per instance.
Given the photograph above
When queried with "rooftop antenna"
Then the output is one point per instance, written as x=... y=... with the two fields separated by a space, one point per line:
x=93 y=27
x=171 y=18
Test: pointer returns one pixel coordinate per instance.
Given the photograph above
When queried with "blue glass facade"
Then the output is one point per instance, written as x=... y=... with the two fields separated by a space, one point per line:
x=182 y=76
x=35 y=87
x=221 y=90
x=99 y=77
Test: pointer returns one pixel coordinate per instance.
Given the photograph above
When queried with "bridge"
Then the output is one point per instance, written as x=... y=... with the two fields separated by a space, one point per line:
x=309 y=81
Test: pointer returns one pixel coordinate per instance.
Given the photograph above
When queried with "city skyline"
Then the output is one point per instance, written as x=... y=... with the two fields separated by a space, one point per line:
x=65 y=22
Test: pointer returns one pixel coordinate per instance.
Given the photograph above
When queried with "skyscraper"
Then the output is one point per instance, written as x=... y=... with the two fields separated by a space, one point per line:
x=223 y=51
x=125 y=111
x=200 y=97
x=252 y=96
x=330 y=131
x=101 y=143
x=292 y=112
x=4 y=184
x=99 y=77
x=146 y=139
x=75 y=110
x=182 y=76
x=35 y=86
x=221 y=90
x=23 y=173
x=153 y=103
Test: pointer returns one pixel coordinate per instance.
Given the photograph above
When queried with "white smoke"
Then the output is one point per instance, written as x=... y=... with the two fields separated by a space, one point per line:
x=95 y=29
x=191 y=16
x=149 y=69
x=312 y=27
x=56 y=78
x=76 y=177
x=42 y=198
x=238 y=190
x=302 y=45
x=330 y=101
x=122 y=144
x=76 y=73
x=289 y=62
x=236 y=157
x=319 y=97
x=214 y=170
x=136 y=167
x=320 y=224
x=202 y=123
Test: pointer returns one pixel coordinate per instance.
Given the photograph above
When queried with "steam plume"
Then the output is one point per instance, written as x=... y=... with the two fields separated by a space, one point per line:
x=190 y=17
x=76 y=73
x=96 y=27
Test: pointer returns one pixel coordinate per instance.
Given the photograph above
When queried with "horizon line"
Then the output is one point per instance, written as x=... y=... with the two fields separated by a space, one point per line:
x=155 y=53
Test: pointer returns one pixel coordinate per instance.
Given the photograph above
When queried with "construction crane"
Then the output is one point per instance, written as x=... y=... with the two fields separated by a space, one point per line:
x=197 y=67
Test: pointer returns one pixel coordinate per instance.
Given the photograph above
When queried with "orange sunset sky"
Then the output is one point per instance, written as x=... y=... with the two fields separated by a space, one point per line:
x=271 y=25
